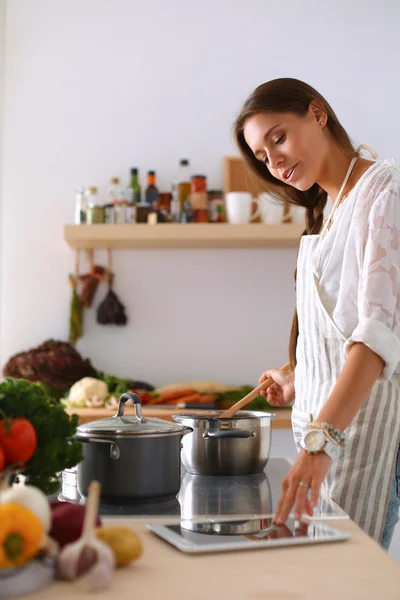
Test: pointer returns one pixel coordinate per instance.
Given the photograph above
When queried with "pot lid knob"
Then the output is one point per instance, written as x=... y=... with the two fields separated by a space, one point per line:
x=134 y=398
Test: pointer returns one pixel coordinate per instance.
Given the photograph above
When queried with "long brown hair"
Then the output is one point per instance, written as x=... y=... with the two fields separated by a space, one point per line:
x=291 y=96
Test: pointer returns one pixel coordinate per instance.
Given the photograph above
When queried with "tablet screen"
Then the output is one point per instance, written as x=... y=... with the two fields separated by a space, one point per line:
x=218 y=536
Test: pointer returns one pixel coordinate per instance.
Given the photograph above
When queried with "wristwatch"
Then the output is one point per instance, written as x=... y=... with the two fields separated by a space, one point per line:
x=315 y=441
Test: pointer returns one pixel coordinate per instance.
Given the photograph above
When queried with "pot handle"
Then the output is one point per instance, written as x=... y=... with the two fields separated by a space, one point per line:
x=136 y=403
x=239 y=433
x=115 y=452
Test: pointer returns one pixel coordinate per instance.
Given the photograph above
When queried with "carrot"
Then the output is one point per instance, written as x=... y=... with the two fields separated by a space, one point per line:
x=169 y=398
x=207 y=399
x=186 y=399
x=152 y=401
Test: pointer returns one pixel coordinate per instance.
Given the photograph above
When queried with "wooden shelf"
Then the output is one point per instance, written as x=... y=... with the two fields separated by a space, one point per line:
x=193 y=235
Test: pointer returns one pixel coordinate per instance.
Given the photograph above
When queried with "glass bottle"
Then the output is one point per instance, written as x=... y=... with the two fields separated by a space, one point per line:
x=116 y=199
x=135 y=186
x=80 y=206
x=131 y=207
x=114 y=190
x=151 y=190
x=183 y=186
x=175 y=212
x=187 y=215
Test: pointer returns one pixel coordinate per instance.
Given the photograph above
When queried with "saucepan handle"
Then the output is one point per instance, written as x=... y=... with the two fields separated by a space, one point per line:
x=115 y=452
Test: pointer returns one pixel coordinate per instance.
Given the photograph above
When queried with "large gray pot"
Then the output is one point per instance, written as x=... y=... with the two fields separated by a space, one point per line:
x=239 y=445
x=135 y=459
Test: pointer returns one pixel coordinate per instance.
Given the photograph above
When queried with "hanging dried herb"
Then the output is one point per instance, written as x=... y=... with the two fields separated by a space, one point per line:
x=76 y=309
x=90 y=281
x=111 y=311
x=75 y=314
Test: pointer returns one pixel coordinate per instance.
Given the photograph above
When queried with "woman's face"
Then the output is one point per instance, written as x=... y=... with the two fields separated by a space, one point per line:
x=293 y=147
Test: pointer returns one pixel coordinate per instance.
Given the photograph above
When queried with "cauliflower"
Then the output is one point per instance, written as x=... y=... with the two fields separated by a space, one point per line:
x=88 y=392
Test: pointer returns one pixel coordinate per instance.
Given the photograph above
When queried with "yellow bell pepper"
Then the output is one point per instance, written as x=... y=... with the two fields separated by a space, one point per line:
x=21 y=534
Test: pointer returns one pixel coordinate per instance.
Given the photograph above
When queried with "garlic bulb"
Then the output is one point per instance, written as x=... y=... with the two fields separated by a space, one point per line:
x=32 y=498
x=88 y=554
x=98 y=578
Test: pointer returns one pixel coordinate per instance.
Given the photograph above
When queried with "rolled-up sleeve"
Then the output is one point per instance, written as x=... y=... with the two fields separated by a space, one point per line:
x=379 y=286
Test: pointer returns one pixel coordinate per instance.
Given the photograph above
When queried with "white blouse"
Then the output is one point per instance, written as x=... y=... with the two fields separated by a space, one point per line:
x=357 y=265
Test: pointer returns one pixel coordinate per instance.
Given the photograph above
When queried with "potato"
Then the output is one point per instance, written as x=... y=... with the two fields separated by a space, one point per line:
x=124 y=542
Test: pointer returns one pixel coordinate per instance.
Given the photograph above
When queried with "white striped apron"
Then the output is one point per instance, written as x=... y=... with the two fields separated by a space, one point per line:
x=360 y=479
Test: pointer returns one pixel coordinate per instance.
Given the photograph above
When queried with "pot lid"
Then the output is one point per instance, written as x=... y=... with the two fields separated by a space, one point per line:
x=209 y=415
x=129 y=425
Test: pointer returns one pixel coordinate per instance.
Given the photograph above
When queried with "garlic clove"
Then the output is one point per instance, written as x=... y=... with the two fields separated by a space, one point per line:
x=97 y=578
x=87 y=558
x=75 y=559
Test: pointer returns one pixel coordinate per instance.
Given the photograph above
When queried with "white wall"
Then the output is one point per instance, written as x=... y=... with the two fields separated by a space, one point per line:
x=2 y=80
x=94 y=87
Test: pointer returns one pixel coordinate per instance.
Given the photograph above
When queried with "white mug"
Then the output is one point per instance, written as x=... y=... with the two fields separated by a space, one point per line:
x=271 y=209
x=298 y=214
x=238 y=207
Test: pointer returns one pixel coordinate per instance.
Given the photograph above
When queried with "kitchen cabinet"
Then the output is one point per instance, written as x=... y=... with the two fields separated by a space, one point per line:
x=191 y=235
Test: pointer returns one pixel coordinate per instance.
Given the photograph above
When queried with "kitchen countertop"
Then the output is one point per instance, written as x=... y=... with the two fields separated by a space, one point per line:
x=357 y=569
x=281 y=421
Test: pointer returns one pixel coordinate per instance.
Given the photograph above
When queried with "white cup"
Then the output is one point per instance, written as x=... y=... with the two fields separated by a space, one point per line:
x=238 y=207
x=271 y=209
x=298 y=214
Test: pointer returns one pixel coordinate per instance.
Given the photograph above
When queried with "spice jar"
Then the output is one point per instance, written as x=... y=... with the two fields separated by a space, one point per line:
x=130 y=213
x=165 y=206
x=142 y=212
x=95 y=212
x=216 y=206
x=199 y=183
x=200 y=215
x=109 y=214
x=199 y=200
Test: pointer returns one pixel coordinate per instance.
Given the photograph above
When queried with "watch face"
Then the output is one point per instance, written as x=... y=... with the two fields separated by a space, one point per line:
x=314 y=440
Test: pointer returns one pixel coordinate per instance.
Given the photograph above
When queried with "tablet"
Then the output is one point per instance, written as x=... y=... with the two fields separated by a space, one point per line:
x=199 y=538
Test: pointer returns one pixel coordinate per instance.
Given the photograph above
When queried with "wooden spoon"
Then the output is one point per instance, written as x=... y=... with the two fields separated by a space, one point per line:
x=230 y=412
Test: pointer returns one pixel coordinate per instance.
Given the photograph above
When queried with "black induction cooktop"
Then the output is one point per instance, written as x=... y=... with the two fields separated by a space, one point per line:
x=209 y=497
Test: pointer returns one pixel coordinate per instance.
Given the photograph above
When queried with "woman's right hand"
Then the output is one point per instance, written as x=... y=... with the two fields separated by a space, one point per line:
x=281 y=392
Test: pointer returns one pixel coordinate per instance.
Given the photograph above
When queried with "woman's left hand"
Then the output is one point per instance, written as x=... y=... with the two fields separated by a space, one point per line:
x=307 y=473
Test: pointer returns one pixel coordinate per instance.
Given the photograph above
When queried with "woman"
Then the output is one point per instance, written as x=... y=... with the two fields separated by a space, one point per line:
x=344 y=372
